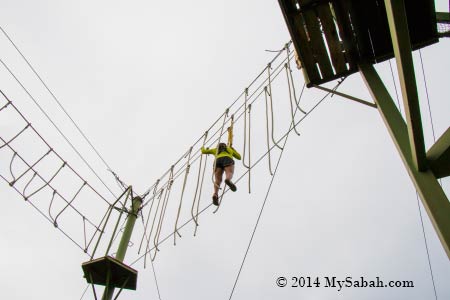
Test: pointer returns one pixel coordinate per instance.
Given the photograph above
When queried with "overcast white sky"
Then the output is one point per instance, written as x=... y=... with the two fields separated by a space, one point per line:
x=144 y=80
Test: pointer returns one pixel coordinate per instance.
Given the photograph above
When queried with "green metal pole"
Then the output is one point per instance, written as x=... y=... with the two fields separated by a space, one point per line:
x=433 y=196
x=124 y=241
x=398 y=25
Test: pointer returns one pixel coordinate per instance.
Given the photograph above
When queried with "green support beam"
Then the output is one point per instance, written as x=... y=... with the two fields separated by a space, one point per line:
x=439 y=156
x=443 y=17
x=398 y=26
x=124 y=241
x=431 y=193
x=346 y=96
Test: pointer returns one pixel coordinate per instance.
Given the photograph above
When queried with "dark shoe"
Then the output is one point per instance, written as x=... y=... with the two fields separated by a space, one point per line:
x=230 y=185
x=215 y=200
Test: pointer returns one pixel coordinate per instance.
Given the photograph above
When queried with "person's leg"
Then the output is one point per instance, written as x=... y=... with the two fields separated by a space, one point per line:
x=218 y=179
x=229 y=171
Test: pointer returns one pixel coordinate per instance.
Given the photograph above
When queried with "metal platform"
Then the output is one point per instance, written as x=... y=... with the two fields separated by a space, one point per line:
x=108 y=271
x=331 y=37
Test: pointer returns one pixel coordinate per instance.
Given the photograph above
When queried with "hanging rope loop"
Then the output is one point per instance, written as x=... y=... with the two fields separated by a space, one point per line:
x=290 y=100
x=198 y=187
x=267 y=130
x=181 y=198
x=271 y=106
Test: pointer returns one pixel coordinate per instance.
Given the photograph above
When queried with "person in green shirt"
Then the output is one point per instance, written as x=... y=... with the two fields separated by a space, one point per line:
x=223 y=163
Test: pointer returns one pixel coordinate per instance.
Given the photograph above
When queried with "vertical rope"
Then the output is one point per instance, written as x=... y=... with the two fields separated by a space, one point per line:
x=198 y=182
x=267 y=131
x=163 y=211
x=230 y=132
x=153 y=225
x=155 y=187
x=290 y=101
x=50 y=213
x=271 y=106
x=186 y=174
x=199 y=197
x=292 y=79
x=245 y=136
x=249 y=148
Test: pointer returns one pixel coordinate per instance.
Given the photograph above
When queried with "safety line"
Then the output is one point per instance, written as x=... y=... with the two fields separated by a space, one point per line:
x=434 y=141
x=428 y=96
x=56 y=127
x=395 y=86
x=154 y=272
x=259 y=216
x=56 y=99
x=426 y=245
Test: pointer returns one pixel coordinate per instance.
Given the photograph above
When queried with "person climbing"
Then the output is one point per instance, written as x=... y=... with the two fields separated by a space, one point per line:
x=223 y=163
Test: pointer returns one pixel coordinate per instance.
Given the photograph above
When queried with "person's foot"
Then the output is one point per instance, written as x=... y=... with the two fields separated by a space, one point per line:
x=231 y=185
x=215 y=198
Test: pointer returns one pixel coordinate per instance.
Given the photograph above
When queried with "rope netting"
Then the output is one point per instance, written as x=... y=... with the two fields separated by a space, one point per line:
x=46 y=181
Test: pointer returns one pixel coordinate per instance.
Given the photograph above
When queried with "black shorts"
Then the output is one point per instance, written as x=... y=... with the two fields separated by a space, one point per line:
x=223 y=162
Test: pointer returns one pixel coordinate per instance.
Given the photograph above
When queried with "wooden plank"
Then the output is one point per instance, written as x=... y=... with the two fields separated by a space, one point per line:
x=334 y=44
x=303 y=49
x=317 y=43
x=346 y=32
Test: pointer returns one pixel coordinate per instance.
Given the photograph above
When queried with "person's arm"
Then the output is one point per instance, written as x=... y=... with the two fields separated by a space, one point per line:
x=234 y=153
x=208 y=151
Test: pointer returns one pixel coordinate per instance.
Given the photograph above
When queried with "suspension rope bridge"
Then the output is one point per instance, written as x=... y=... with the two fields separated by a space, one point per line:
x=63 y=197
x=261 y=88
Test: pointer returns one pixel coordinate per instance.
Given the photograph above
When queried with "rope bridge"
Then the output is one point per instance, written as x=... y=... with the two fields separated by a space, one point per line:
x=48 y=182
